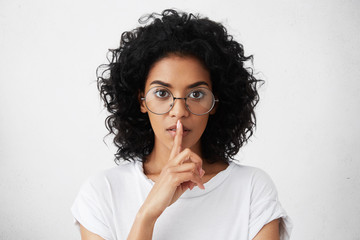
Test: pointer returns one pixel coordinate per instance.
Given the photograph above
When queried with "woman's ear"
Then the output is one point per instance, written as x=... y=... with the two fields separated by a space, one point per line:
x=143 y=108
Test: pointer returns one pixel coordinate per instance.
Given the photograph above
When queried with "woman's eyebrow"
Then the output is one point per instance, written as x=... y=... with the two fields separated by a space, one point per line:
x=161 y=83
x=170 y=86
x=198 y=84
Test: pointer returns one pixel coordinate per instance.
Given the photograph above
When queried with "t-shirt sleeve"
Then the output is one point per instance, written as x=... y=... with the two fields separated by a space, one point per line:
x=88 y=210
x=265 y=206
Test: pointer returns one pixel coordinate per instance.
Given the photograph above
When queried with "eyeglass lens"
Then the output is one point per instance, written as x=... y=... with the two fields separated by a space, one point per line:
x=160 y=100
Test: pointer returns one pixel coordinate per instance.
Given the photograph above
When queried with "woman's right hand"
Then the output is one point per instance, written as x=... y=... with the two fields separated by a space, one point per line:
x=183 y=171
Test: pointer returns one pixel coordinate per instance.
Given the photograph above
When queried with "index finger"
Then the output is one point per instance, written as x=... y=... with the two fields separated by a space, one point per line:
x=177 y=140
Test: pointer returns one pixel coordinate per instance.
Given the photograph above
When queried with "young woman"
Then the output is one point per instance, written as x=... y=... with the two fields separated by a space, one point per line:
x=181 y=105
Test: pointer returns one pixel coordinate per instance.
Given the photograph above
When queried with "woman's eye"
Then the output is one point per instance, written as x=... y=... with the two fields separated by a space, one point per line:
x=162 y=93
x=196 y=94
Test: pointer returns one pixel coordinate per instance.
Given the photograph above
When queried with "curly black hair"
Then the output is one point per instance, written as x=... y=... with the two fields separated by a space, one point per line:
x=173 y=32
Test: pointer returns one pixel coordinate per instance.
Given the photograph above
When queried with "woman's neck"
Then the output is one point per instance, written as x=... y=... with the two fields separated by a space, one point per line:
x=159 y=157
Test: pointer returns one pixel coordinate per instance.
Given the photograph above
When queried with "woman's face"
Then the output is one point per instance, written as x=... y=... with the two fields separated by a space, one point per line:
x=180 y=75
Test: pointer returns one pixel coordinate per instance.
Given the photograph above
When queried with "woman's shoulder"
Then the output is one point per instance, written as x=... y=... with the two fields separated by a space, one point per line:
x=117 y=174
x=264 y=201
x=99 y=189
x=252 y=176
x=247 y=171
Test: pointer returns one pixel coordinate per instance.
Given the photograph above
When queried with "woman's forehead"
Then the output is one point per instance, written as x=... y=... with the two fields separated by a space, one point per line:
x=178 y=72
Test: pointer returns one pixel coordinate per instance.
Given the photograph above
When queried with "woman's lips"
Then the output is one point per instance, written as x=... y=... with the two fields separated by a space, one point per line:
x=172 y=132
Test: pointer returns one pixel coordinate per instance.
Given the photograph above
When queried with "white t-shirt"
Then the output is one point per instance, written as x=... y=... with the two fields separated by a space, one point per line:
x=235 y=205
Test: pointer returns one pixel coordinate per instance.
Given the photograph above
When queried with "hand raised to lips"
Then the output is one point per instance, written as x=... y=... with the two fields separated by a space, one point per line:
x=177 y=148
x=182 y=171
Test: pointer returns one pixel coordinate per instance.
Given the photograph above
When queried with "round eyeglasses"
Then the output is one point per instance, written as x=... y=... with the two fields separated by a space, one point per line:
x=160 y=100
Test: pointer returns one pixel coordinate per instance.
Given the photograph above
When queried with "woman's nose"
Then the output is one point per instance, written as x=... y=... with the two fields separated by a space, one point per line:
x=179 y=108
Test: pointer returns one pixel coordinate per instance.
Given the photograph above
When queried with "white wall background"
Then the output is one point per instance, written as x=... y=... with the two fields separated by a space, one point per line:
x=51 y=118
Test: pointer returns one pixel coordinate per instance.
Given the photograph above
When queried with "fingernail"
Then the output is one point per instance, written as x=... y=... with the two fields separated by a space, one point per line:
x=177 y=125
